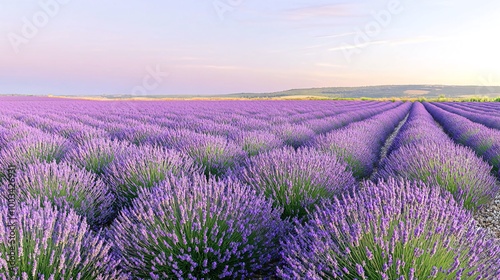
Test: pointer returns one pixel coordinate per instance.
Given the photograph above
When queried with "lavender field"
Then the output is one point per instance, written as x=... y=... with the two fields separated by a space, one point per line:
x=249 y=189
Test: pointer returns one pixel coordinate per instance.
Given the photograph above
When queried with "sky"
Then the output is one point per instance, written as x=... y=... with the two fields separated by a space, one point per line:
x=76 y=47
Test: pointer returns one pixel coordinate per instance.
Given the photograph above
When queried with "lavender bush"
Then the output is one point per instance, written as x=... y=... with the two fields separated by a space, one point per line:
x=79 y=133
x=295 y=135
x=140 y=134
x=143 y=168
x=66 y=186
x=173 y=138
x=297 y=180
x=390 y=230
x=35 y=148
x=348 y=146
x=97 y=154
x=455 y=168
x=53 y=244
x=194 y=228
x=255 y=142
x=215 y=154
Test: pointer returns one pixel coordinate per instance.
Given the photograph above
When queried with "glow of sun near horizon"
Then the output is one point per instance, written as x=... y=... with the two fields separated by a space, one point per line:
x=232 y=46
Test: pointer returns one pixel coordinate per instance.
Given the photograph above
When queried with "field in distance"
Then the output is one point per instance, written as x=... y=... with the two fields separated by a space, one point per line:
x=402 y=92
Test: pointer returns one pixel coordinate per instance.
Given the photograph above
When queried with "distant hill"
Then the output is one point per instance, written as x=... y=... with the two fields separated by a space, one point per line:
x=429 y=92
x=405 y=91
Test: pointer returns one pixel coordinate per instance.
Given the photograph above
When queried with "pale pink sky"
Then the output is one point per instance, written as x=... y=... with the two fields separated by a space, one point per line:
x=210 y=47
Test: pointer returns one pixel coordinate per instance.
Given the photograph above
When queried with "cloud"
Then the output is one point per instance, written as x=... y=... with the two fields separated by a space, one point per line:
x=188 y=58
x=332 y=10
x=211 y=66
x=346 y=46
x=394 y=42
x=337 y=35
x=329 y=65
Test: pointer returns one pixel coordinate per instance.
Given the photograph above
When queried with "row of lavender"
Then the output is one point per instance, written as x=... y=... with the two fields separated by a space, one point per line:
x=174 y=222
x=483 y=140
x=423 y=151
x=415 y=227
x=486 y=115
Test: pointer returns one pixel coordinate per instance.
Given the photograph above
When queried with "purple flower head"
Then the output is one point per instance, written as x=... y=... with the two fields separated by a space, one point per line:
x=194 y=227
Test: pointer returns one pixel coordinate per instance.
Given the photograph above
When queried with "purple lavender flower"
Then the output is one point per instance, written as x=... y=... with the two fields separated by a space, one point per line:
x=295 y=135
x=255 y=142
x=392 y=219
x=422 y=151
x=297 y=180
x=79 y=133
x=191 y=227
x=455 y=168
x=32 y=149
x=143 y=167
x=359 y=143
x=483 y=140
x=216 y=155
x=66 y=186
x=489 y=119
x=97 y=154
x=53 y=244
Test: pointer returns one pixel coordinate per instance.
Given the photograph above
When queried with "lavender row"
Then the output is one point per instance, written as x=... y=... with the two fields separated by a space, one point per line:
x=483 y=140
x=475 y=108
x=482 y=118
x=359 y=143
x=484 y=107
x=422 y=151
